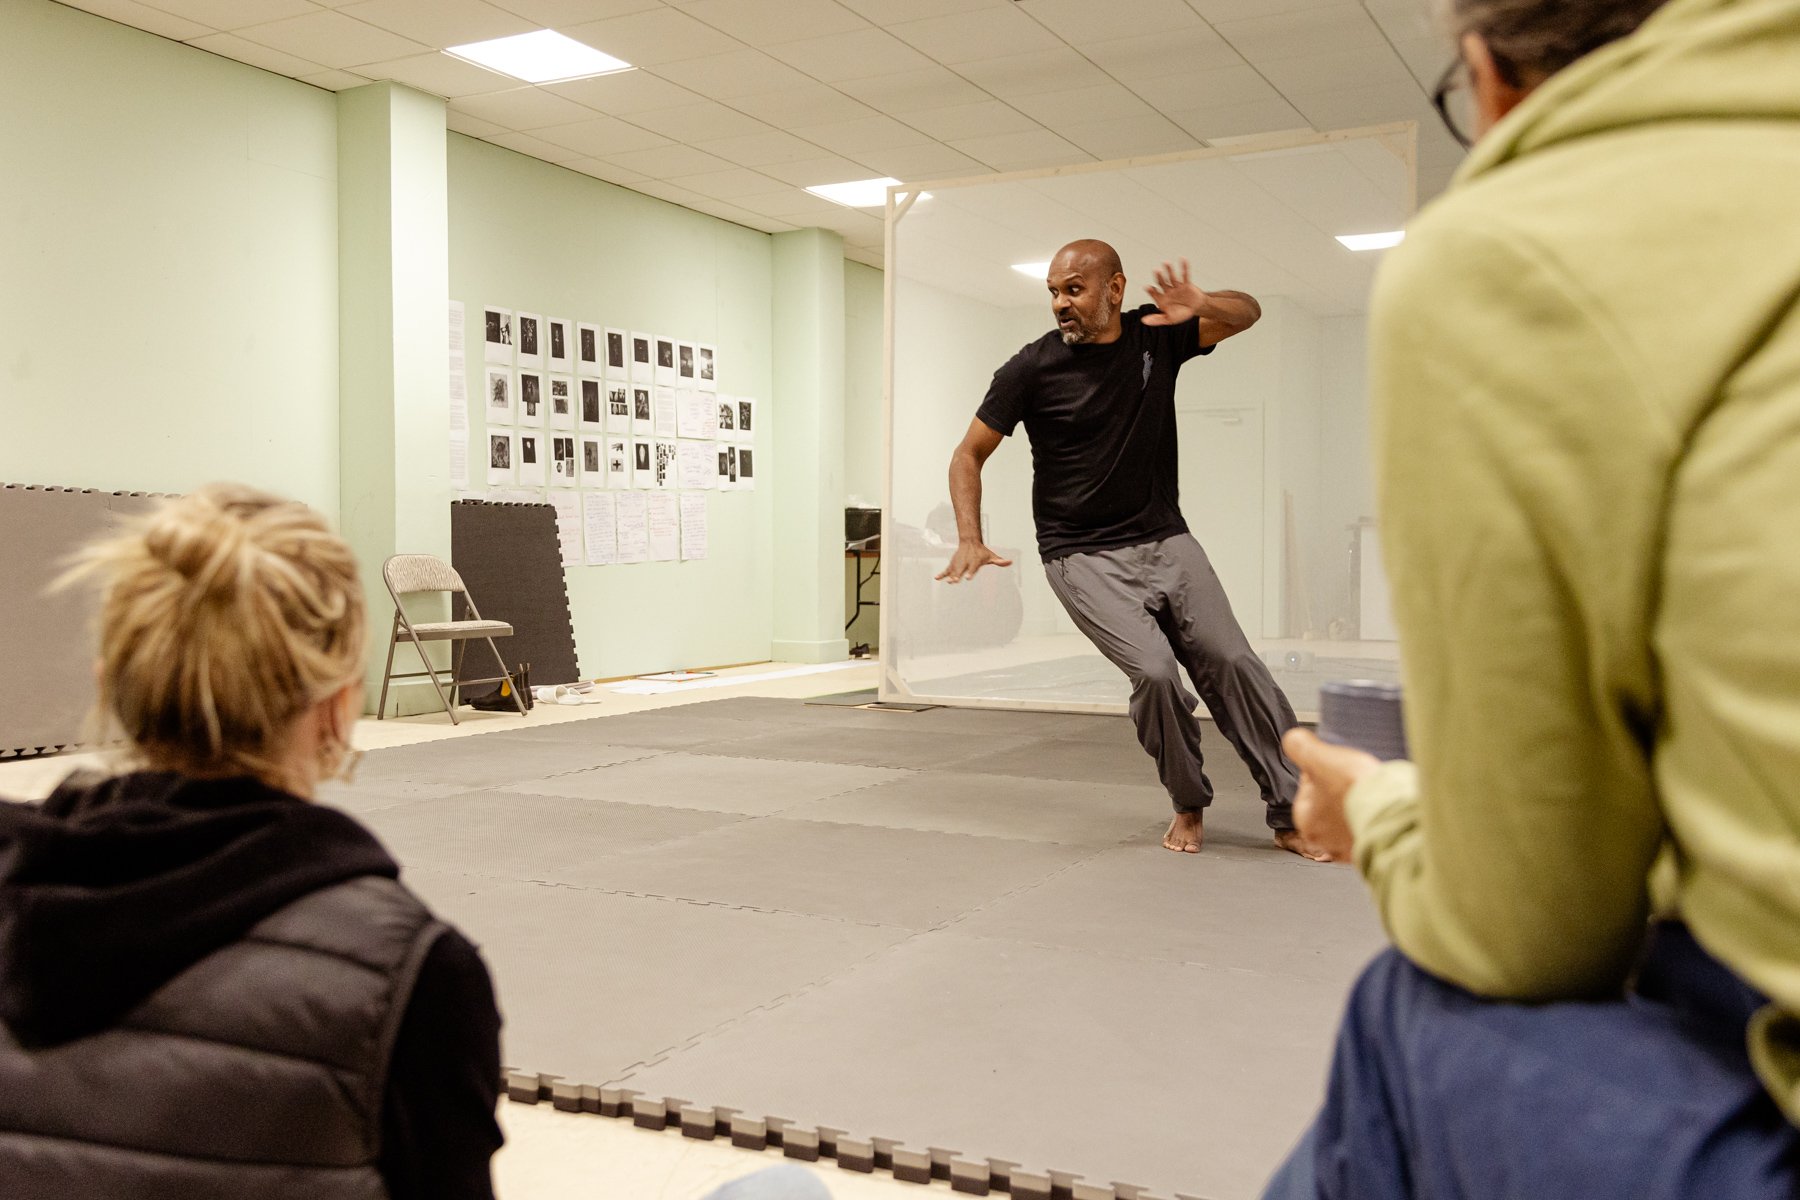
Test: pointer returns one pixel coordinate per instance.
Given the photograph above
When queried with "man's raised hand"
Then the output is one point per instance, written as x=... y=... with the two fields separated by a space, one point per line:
x=1176 y=296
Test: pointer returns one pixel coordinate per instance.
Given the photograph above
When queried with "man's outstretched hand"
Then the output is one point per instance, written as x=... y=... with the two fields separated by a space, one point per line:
x=1177 y=297
x=969 y=558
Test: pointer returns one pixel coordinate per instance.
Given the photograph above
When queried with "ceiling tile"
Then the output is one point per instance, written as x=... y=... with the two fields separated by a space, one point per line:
x=1029 y=74
x=1214 y=87
x=854 y=139
x=440 y=23
x=968 y=37
x=808 y=103
x=706 y=121
x=653 y=37
x=601 y=137
x=931 y=161
x=560 y=14
x=892 y=12
x=913 y=91
x=1350 y=67
x=333 y=39
x=761 y=149
x=1129 y=137
x=817 y=170
x=150 y=20
x=1156 y=57
x=854 y=55
x=235 y=14
x=232 y=46
x=536 y=147
x=1217 y=11
x=797 y=206
x=1014 y=151
x=741 y=72
x=732 y=183
x=726 y=211
x=1297 y=34
x=1425 y=57
x=335 y=81
x=1351 y=108
x=666 y=162
x=667 y=191
x=523 y=108
x=971 y=120
x=1240 y=120
x=462 y=122
x=1107 y=102
x=760 y=23
x=1082 y=21
x=625 y=92
x=441 y=75
x=600 y=169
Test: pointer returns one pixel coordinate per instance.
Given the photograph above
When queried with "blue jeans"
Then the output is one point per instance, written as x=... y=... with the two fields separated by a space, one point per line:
x=776 y=1183
x=1441 y=1095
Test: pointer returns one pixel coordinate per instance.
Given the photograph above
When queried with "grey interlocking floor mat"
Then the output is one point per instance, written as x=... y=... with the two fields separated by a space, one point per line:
x=952 y=929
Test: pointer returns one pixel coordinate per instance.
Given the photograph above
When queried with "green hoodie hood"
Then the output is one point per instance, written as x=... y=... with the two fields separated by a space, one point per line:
x=1733 y=60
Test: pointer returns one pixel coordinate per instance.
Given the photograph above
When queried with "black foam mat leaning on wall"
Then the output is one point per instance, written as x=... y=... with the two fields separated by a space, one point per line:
x=510 y=559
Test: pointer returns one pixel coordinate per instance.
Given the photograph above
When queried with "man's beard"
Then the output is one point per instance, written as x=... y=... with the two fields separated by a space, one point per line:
x=1083 y=332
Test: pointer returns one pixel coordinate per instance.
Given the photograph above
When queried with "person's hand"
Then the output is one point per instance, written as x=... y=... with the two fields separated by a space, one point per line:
x=1327 y=773
x=1177 y=297
x=969 y=558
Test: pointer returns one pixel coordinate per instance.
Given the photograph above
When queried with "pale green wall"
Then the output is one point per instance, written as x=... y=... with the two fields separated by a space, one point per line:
x=527 y=235
x=168 y=270
x=863 y=323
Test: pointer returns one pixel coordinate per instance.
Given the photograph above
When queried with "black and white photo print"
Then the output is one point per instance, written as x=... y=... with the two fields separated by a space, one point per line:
x=618 y=407
x=746 y=467
x=640 y=406
x=708 y=381
x=500 y=458
x=665 y=361
x=727 y=418
x=531 y=398
x=587 y=349
x=499 y=406
x=593 y=416
x=666 y=455
x=591 y=461
x=618 y=365
x=746 y=422
x=618 y=462
x=497 y=334
x=642 y=450
x=642 y=368
x=562 y=356
x=685 y=360
x=564 y=471
x=531 y=327
x=562 y=402
x=532 y=464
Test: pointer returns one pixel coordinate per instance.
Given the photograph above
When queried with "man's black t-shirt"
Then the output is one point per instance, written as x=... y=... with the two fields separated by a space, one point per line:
x=1101 y=420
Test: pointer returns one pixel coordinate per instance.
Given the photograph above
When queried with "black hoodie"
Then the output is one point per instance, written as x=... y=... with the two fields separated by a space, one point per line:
x=112 y=888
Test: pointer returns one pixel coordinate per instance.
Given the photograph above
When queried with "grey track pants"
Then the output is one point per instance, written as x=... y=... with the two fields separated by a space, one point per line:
x=1154 y=610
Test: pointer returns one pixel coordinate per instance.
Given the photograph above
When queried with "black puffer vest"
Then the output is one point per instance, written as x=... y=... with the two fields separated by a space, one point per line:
x=256 y=1073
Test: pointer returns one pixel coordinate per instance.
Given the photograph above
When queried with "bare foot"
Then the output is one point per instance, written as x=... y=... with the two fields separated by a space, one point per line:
x=1291 y=841
x=1186 y=834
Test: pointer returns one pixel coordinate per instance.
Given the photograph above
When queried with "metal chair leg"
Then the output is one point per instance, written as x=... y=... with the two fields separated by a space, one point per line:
x=456 y=672
x=430 y=670
x=387 y=672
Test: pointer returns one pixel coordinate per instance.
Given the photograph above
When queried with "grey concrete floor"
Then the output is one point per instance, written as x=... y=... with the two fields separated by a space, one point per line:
x=953 y=929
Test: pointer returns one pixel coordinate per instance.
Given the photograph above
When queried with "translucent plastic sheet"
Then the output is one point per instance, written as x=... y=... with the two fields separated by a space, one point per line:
x=1273 y=427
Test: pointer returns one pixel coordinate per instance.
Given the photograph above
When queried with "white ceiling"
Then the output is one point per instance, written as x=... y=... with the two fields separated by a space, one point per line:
x=1263 y=222
x=738 y=104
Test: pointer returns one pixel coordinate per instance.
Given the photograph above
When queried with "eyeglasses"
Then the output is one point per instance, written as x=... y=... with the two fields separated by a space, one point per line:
x=1454 y=99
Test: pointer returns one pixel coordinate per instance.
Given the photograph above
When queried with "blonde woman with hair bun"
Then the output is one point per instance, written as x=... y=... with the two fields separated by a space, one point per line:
x=211 y=987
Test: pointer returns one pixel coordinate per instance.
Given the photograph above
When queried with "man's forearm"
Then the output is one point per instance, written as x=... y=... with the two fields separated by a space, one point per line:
x=965 y=495
x=1239 y=310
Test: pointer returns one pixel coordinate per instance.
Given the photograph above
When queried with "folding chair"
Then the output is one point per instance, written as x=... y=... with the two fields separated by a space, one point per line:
x=411 y=573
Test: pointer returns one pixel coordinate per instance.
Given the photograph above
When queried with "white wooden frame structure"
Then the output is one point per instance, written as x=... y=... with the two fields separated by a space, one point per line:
x=1400 y=137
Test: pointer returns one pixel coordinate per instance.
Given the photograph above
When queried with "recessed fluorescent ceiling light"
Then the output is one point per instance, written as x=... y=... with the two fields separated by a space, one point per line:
x=1035 y=270
x=1372 y=241
x=541 y=57
x=858 y=193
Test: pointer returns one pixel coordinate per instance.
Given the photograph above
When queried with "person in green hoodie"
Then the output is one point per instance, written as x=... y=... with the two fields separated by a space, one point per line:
x=1586 y=365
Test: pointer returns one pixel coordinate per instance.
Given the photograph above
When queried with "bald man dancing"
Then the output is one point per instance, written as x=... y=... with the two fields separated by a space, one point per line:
x=1097 y=397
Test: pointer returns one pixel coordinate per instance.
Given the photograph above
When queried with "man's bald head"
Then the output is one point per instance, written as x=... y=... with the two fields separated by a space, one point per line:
x=1087 y=285
x=1091 y=257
